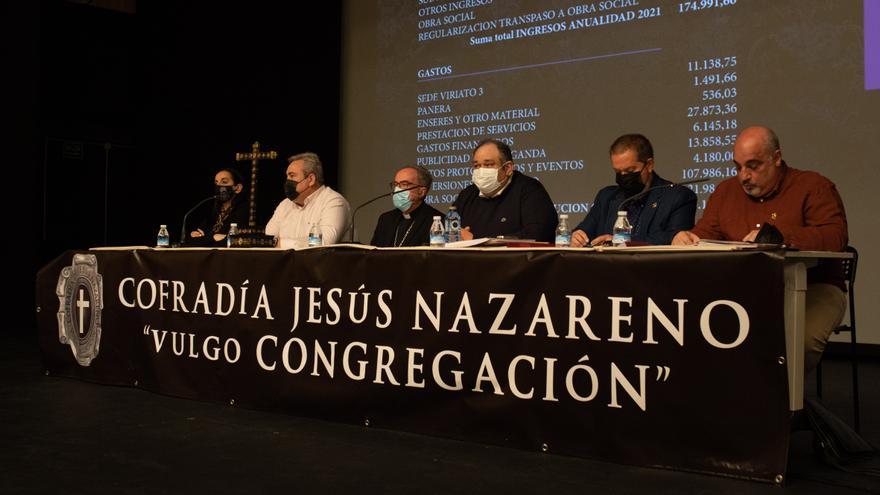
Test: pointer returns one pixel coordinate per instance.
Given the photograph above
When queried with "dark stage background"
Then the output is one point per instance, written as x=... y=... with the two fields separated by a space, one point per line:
x=121 y=118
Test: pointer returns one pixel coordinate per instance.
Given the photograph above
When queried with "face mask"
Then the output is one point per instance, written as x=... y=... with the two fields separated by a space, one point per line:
x=486 y=179
x=224 y=193
x=630 y=184
x=290 y=191
x=401 y=200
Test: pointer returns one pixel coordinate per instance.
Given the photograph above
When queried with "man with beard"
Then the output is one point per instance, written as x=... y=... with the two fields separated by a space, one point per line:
x=803 y=206
x=409 y=223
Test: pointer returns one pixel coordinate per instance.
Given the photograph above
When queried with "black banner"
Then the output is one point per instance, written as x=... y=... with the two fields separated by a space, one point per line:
x=656 y=359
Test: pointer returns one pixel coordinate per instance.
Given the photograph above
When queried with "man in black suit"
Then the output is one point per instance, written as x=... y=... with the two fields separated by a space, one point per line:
x=409 y=223
x=655 y=217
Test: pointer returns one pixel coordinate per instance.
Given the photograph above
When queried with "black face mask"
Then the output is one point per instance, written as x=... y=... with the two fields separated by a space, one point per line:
x=224 y=193
x=290 y=189
x=631 y=183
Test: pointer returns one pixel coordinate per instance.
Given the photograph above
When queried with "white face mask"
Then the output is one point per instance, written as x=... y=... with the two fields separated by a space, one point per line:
x=486 y=179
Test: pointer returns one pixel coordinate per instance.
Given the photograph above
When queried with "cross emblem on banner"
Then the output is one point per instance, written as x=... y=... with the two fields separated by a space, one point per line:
x=254 y=156
x=82 y=304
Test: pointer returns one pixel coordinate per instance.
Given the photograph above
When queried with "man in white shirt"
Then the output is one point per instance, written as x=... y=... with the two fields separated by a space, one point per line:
x=308 y=202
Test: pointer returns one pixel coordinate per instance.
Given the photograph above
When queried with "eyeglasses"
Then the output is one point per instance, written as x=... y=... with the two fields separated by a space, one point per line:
x=403 y=184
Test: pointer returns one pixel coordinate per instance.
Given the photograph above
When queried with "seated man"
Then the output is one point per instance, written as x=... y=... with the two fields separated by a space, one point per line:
x=655 y=217
x=804 y=206
x=308 y=202
x=229 y=207
x=409 y=223
x=502 y=201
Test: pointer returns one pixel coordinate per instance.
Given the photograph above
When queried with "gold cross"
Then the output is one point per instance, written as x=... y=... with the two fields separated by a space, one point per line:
x=254 y=156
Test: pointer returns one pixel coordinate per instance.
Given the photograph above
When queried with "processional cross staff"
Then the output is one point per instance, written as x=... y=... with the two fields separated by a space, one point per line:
x=254 y=156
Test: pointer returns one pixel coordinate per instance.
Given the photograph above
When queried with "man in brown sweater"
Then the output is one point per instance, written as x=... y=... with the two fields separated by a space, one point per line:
x=804 y=206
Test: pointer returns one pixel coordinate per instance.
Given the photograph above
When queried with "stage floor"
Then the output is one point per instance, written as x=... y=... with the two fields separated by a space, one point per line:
x=62 y=435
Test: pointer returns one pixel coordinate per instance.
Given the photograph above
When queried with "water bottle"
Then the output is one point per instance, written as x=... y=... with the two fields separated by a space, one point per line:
x=563 y=234
x=622 y=233
x=438 y=235
x=233 y=233
x=453 y=225
x=163 y=240
x=316 y=237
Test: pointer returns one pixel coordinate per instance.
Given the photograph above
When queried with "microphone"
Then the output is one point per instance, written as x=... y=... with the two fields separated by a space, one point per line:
x=392 y=193
x=183 y=227
x=646 y=191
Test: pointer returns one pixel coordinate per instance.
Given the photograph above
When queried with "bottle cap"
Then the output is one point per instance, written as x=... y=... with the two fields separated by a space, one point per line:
x=163 y=226
x=563 y=216
x=437 y=217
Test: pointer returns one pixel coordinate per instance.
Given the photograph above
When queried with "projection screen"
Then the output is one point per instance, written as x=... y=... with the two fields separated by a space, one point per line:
x=424 y=81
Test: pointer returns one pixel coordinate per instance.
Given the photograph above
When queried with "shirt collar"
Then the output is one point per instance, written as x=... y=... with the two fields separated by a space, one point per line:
x=783 y=173
x=509 y=180
x=309 y=199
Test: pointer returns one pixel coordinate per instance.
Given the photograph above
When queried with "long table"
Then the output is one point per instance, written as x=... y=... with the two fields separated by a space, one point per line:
x=680 y=359
x=796 y=265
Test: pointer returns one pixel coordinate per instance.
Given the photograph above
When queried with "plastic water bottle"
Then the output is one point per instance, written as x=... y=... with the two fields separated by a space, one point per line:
x=163 y=240
x=622 y=233
x=316 y=237
x=438 y=234
x=233 y=233
x=563 y=234
x=453 y=225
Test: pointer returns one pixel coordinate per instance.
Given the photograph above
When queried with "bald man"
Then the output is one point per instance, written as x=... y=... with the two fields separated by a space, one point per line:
x=804 y=206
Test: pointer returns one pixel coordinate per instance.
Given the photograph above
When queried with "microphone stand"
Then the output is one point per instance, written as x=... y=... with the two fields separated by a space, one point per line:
x=183 y=227
x=351 y=237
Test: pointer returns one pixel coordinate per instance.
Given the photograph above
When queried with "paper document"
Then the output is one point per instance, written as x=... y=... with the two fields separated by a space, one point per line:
x=468 y=243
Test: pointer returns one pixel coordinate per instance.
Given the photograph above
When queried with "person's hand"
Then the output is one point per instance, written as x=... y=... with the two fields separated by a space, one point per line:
x=685 y=238
x=196 y=233
x=579 y=238
x=219 y=237
x=466 y=234
x=601 y=240
x=751 y=236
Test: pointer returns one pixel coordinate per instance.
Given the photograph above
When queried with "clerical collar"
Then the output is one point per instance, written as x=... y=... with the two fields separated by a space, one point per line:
x=412 y=213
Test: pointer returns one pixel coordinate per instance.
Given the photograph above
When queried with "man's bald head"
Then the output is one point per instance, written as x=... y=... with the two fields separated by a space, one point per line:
x=759 y=136
x=758 y=160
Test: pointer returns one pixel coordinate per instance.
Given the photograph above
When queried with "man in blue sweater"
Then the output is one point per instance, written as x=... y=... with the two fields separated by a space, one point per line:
x=655 y=217
x=502 y=201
